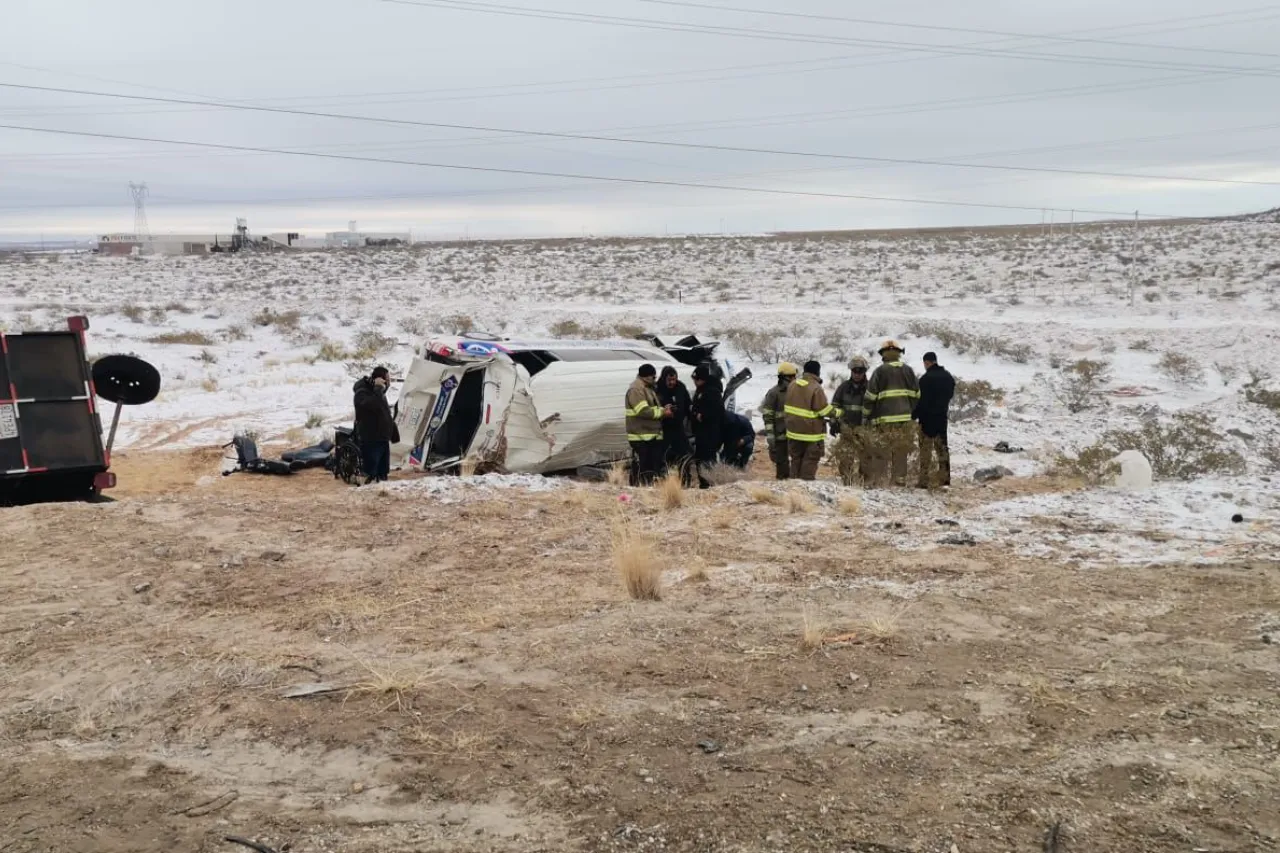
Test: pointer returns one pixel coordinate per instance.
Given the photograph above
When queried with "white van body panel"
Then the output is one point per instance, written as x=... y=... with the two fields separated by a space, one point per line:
x=567 y=415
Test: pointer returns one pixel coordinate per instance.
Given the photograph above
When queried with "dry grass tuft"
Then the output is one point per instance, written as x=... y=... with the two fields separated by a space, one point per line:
x=885 y=625
x=762 y=495
x=812 y=633
x=188 y=338
x=399 y=684
x=723 y=519
x=637 y=564
x=697 y=571
x=671 y=490
x=849 y=505
x=618 y=475
x=798 y=503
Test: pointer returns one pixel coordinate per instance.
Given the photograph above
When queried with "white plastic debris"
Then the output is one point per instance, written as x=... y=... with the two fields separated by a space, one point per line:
x=1135 y=471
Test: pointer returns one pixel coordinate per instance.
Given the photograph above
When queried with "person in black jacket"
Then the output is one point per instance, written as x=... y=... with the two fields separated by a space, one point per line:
x=937 y=387
x=374 y=426
x=739 y=440
x=708 y=420
x=675 y=430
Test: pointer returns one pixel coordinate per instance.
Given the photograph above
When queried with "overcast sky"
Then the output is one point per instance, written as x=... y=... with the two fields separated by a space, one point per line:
x=803 y=84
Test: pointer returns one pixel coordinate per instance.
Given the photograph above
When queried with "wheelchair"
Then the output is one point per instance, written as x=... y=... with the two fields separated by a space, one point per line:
x=347 y=460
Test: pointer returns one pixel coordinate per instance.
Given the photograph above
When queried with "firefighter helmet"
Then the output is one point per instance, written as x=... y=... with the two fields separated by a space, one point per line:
x=891 y=344
x=858 y=362
x=788 y=369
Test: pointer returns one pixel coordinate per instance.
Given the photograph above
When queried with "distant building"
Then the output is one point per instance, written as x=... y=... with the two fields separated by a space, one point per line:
x=199 y=244
x=162 y=244
x=354 y=239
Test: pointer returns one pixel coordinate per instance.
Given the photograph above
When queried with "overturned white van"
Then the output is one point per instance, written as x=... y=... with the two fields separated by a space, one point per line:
x=529 y=406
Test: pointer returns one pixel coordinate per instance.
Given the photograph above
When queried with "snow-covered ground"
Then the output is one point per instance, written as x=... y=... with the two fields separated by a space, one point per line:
x=271 y=339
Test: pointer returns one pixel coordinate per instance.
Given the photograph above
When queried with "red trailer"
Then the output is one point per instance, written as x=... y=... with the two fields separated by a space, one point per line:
x=50 y=432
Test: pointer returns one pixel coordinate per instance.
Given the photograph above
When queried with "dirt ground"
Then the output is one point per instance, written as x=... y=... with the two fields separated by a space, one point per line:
x=490 y=686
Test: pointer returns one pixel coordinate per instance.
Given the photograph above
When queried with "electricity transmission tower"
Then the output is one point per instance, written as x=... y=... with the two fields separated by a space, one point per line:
x=140 y=193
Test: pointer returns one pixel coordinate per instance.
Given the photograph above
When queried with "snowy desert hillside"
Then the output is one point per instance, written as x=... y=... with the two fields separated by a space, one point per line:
x=1183 y=316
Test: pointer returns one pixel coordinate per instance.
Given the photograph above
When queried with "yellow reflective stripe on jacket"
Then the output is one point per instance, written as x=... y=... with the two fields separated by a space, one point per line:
x=896 y=392
x=803 y=383
x=894 y=419
x=805 y=436
x=799 y=412
x=644 y=436
x=654 y=411
x=870 y=396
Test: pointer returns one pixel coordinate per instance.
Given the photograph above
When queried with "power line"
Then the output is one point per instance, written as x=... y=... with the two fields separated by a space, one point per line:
x=807 y=38
x=571 y=176
x=737 y=149
x=951 y=29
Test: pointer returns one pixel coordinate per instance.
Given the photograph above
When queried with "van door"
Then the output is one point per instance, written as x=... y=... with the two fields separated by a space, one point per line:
x=424 y=404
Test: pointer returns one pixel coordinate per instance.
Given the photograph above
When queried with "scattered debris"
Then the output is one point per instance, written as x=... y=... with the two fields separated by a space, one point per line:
x=211 y=806
x=317 y=688
x=710 y=747
x=252 y=845
x=988 y=475
x=271 y=556
x=957 y=539
x=1237 y=518
x=851 y=637
x=947 y=522
x=142 y=587
x=1005 y=447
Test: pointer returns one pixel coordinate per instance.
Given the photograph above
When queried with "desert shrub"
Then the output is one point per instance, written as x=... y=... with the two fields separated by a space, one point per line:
x=1180 y=368
x=133 y=313
x=285 y=320
x=413 y=326
x=1182 y=447
x=833 y=340
x=1227 y=370
x=236 y=332
x=628 y=330
x=1141 y=345
x=157 y=316
x=962 y=342
x=314 y=420
x=973 y=398
x=1263 y=397
x=566 y=328
x=1078 y=385
x=460 y=324
x=371 y=343
x=208 y=356
x=190 y=338
x=331 y=351
x=178 y=307
x=209 y=384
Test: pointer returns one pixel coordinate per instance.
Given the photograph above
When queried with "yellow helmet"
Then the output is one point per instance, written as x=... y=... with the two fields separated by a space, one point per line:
x=788 y=369
x=891 y=344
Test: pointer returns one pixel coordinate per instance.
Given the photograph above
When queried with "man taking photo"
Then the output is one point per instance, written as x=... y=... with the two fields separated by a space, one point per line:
x=374 y=426
x=937 y=387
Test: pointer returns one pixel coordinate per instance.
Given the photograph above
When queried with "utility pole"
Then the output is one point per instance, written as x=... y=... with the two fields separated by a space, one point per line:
x=1133 y=262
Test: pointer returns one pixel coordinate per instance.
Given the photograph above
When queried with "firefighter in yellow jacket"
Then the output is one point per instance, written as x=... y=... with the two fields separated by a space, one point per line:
x=644 y=426
x=891 y=396
x=772 y=410
x=807 y=409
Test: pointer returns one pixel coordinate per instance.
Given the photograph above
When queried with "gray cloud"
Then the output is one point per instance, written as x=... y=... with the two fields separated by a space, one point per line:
x=445 y=65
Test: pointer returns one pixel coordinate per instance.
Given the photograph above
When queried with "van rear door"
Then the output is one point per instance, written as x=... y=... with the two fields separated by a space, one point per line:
x=424 y=404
